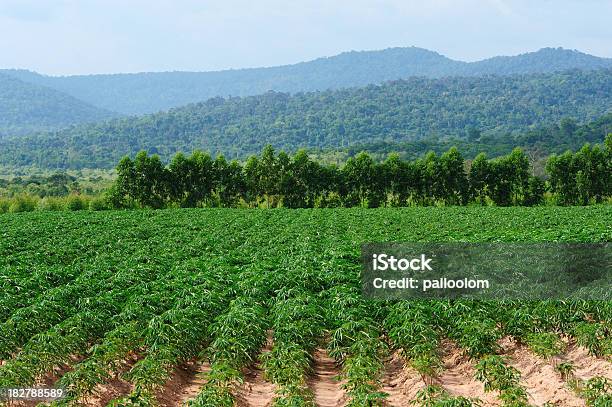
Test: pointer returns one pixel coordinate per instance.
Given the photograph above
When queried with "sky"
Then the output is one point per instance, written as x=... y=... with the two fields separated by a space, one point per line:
x=65 y=37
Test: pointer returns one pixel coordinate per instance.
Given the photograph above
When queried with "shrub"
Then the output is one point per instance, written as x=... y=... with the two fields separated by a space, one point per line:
x=50 y=204
x=98 y=204
x=76 y=203
x=22 y=203
x=4 y=205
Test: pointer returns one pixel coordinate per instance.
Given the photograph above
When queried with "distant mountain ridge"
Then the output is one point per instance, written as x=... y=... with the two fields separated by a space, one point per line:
x=151 y=92
x=403 y=111
x=30 y=108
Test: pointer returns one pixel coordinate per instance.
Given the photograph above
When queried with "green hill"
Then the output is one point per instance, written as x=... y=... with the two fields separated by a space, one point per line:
x=152 y=92
x=27 y=108
x=418 y=109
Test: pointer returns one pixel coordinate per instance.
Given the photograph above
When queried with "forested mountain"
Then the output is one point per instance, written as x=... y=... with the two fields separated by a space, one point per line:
x=153 y=92
x=27 y=108
x=539 y=141
x=488 y=109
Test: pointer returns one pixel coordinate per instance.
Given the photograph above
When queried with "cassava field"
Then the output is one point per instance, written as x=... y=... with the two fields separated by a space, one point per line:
x=224 y=307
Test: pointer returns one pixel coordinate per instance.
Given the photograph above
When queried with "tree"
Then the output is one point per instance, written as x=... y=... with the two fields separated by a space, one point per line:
x=306 y=181
x=202 y=178
x=286 y=186
x=433 y=177
x=518 y=166
x=592 y=175
x=150 y=183
x=124 y=188
x=534 y=194
x=480 y=178
x=453 y=179
x=181 y=168
x=396 y=179
x=363 y=181
x=268 y=174
x=253 y=179
x=562 y=178
x=229 y=182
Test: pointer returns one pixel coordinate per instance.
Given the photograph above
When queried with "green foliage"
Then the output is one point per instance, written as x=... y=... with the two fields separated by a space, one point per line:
x=495 y=373
x=5 y=205
x=53 y=184
x=49 y=203
x=500 y=107
x=26 y=108
x=410 y=329
x=545 y=344
x=177 y=285
x=514 y=396
x=566 y=369
x=582 y=177
x=151 y=92
x=595 y=337
x=297 y=181
x=22 y=203
x=477 y=335
x=76 y=203
x=99 y=204
x=597 y=391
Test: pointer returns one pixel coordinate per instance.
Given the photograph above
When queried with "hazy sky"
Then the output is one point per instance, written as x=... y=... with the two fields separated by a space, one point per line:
x=106 y=36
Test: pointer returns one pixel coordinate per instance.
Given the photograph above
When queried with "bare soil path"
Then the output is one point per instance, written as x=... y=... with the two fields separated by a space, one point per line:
x=256 y=391
x=458 y=376
x=184 y=385
x=400 y=382
x=542 y=382
x=327 y=389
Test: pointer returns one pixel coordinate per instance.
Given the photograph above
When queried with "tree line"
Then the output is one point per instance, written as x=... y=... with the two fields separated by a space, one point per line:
x=274 y=179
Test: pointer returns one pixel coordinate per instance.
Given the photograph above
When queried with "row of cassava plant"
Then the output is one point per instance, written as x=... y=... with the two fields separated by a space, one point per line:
x=473 y=326
x=128 y=335
x=297 y=323
x=412 y=328
x=88 y=320
x=436 y=396
x=19 y=292
x=156 y=326
x=356 y=343
x=237 y=336
x=497 y=375
x=175 y=336
x=60 y=303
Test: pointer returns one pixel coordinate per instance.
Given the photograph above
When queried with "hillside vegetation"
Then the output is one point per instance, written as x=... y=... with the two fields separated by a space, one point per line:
x=28 y=108
x=539 y=141
x=395 y=112
x=152 y=92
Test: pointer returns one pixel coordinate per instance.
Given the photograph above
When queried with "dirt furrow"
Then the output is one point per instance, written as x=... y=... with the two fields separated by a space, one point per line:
x=458 y=376
x=327 y=389
x=256 y=391
x=184 y=384
x=586 y=366
x=400 y=382
x=542 y=382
